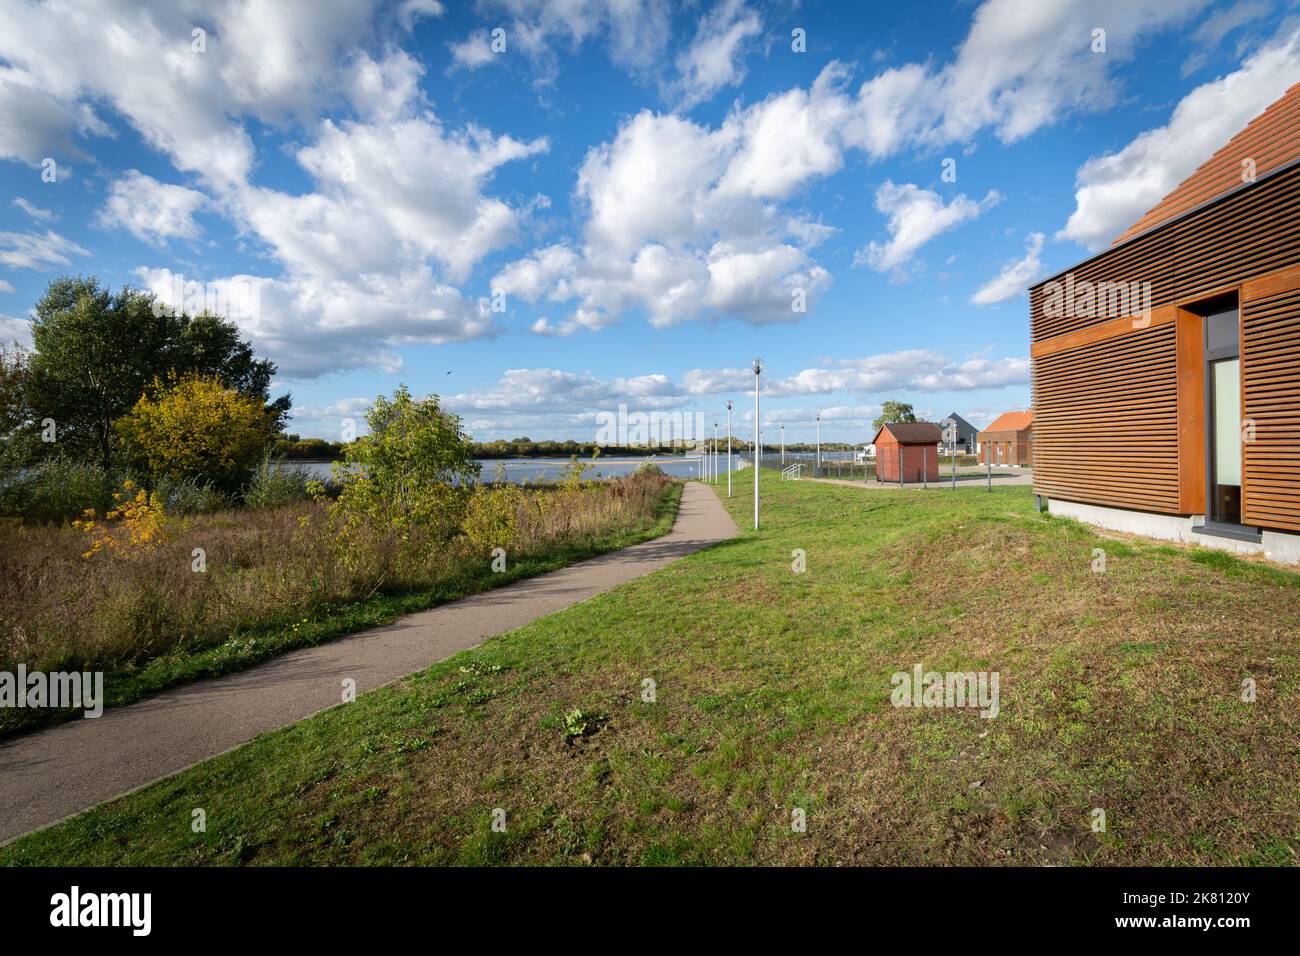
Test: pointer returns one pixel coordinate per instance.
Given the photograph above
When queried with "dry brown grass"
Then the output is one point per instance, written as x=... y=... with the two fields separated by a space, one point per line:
x=264 y=568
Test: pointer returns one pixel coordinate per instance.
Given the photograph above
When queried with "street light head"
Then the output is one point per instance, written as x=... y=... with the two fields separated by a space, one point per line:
x=728 y=406
x=758 y=366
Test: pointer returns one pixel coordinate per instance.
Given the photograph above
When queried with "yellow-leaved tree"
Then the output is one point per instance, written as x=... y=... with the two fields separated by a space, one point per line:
x=194 y=427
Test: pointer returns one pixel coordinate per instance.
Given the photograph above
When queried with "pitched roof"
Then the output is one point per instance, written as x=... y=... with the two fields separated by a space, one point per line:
x=1271 y=140
x=1011 y=421
x=912 y=433
x=962 y=424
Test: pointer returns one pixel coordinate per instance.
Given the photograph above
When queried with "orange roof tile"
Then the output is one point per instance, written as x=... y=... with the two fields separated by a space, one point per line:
x=1012 y=421
x=1271 y=140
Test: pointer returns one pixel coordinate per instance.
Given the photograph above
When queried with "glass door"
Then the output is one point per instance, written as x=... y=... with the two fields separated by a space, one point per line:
x=1225 y=462
x=1223 y=414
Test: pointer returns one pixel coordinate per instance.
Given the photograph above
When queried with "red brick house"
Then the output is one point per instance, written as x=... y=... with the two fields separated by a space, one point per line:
x=1009 y=440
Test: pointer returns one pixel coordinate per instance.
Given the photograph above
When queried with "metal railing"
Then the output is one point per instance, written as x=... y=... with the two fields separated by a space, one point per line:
x=792 y=472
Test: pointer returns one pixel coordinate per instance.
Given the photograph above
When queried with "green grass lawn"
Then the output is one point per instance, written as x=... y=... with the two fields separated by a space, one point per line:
x=1119 y=691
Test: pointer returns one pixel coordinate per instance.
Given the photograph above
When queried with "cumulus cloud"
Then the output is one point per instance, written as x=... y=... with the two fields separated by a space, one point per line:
x=17 y=330
x=389 y=193
x=1015 y=276
x=151 y=211
x=312 y=327
x=1117 y=189
x=399 y=207
x=668 y=235
x=916 y=216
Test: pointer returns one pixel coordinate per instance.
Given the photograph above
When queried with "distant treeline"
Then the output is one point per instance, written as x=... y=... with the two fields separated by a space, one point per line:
x=294 y=448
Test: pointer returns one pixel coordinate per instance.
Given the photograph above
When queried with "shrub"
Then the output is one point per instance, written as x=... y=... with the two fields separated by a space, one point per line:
x=492 y=515
x=183 y=496
x=135 y=525
x=275 y=483
x=410 y=475
x=196 y=428
x=57 y=490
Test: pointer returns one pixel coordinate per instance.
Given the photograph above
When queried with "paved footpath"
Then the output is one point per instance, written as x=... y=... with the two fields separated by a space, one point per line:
x=55 y=773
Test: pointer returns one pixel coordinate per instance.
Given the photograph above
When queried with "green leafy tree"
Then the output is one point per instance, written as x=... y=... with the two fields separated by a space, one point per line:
x=19 y=435
x=411 y=473
x=95 y=352
x=893 y=411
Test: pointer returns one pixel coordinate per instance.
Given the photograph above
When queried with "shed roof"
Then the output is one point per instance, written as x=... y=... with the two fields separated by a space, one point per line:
x=1271 y=140
x=1011 y=421
x=912 y=433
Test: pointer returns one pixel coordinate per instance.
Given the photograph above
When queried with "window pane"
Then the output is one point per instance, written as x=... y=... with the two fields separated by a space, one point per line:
x=1227 y=422
x=1221 y=330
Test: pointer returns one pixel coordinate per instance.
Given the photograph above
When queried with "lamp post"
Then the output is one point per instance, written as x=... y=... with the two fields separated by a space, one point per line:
x=783 y=447
x=819 y=444
x=758 y=372
x=715 y=452
x=728 y=449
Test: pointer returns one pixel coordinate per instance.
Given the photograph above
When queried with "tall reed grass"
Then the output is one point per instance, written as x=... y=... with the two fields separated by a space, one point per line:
x=268 y=567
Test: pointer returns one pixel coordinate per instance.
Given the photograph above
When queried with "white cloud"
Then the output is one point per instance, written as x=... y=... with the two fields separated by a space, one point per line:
x=1117 y=189
x=15 y=330
x=388 y=196
x=1212 y=31
x=273 y=61
x=311 y=327
x=712 y=61
x=151 y=211
x=667 y=235
x=36 y=212
x=788 y=138
x=636 y=32
x=385 y=89
x=916 y=216
x=1015 y=276
x=474 y=51
x=6 y=286
x=907 y=370
x=31 y=250
x=412 y=10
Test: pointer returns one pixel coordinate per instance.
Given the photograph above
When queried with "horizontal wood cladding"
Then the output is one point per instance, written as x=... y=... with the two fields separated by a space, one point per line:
x=1270 y=367
x=1106 y=422
x=1253 y=232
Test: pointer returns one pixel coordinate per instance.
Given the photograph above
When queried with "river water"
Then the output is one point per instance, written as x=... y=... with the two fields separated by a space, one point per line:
x=534 y=470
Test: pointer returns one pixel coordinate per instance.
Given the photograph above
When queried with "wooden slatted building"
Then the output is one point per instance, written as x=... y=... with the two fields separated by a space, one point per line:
x=1166 y=369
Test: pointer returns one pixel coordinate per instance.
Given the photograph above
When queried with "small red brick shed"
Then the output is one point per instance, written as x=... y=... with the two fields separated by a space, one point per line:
x=908 y=448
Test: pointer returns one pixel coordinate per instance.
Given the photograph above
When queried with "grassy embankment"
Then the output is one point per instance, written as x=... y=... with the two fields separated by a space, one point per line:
x=275 y=580
x=1119 y=691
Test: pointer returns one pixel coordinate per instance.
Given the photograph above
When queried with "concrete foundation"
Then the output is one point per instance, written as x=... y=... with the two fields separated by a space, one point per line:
x=1279 y=546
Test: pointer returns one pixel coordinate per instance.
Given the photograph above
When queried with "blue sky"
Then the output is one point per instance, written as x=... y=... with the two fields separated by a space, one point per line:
x=642 y=191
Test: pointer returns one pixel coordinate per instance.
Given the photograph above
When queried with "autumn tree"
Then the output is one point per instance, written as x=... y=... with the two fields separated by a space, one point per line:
x=195 y=427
